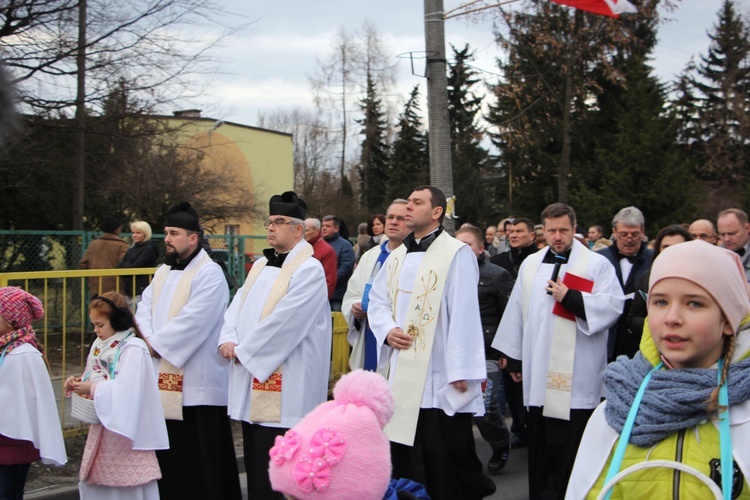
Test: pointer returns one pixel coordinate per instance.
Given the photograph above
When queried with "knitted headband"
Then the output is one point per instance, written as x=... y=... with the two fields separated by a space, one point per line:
x=19 y=308
x=339 y=450
x=719 y=271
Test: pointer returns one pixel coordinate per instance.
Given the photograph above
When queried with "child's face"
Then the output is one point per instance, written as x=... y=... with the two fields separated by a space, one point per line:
x=102 y=326
x=5 y=327
x=686 y=323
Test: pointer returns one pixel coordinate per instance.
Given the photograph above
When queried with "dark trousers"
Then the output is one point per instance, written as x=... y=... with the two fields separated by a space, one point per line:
x=492 y=425
x=443 y=458
x=12 y=481
x=553 y=445
x=514 y=395
x=200 y=461
x=257 y=441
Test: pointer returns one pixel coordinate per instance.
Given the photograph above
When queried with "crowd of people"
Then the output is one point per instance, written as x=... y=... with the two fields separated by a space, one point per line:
x=610 y=353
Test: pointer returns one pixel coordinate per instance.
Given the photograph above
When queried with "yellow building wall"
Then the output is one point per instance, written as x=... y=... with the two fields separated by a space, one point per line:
x=260 y=159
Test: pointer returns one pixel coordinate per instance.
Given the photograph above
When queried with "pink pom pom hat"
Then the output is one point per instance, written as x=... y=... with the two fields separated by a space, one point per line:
x=339 y=450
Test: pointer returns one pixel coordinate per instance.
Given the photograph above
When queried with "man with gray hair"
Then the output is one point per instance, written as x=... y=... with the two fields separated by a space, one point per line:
x=734 y=232
x=631 y=260
x=322 y=251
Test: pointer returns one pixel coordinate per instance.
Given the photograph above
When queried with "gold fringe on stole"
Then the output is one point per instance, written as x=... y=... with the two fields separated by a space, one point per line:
x=170 y=378
x=421 y=320
x=265 y=397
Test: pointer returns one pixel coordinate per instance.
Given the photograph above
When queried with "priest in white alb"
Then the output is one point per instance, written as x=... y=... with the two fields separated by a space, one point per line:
x=357 y=297
x=277 y=333
x=553 y=338
x=424 y=306
x=180 y=316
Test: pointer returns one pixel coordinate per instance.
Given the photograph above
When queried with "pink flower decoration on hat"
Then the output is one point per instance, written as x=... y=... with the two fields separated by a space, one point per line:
x=328 y=444
x=312 y=475
x=284 y=447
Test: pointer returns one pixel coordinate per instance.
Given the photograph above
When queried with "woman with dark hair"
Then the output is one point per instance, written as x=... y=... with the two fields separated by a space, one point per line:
x=666 y=237
x=376 y=228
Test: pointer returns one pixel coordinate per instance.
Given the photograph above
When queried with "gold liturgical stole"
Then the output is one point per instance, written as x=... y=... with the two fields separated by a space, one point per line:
x=170 y=377
x=559 y=383
x=265 y=398
x=421 y=320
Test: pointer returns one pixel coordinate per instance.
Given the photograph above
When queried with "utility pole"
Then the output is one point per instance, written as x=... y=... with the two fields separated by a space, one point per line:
x=441 y=170
x=80 y=150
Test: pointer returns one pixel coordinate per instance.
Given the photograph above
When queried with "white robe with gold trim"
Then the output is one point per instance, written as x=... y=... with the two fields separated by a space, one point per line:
x=458 y=348
x=296 y=334
x=189 y=340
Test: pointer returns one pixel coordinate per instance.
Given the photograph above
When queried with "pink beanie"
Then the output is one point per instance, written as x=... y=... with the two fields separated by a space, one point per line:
x=18 y=307
x=339 y=450
x=718 y=270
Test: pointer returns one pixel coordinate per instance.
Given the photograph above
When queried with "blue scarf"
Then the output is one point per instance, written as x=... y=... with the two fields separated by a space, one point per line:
x=674 y=400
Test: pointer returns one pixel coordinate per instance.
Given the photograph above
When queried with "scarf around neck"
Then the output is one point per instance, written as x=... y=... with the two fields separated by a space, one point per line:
x=674 y=399
x=17 y=338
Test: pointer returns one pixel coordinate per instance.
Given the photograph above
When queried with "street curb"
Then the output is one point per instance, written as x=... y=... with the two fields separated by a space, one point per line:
x=70 y=492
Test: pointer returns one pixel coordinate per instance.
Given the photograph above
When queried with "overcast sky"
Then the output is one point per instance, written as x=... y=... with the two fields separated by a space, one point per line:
x=267 y=67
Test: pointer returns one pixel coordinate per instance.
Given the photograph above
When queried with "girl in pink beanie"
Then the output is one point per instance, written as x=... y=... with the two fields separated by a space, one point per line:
x=339 y=450
x=29 y=422
x=676 y=422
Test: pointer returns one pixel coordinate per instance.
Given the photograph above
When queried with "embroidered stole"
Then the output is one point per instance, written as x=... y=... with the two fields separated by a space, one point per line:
x=170 y=377
x=265 y=397
x=559 y=384
x=421 y=319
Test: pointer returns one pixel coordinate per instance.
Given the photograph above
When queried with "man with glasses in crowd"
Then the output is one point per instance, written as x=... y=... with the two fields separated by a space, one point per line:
x=703 y=229
x=356 y=298
x=277 y=334
x=631 y=260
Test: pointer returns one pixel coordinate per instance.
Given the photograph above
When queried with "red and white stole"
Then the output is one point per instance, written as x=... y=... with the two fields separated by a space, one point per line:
x=265 y=398
x=170 y=377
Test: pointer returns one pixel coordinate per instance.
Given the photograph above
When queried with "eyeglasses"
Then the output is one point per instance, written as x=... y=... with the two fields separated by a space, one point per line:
x=277 y=223
x=635 y=235
x=399 y=218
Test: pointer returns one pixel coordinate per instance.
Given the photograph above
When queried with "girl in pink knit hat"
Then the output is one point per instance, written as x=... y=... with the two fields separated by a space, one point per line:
x=29 y=422
x=676 y=421
x=119 y=460
x=339 y=450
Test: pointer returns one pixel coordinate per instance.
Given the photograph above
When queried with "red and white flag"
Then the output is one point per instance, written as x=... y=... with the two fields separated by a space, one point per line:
x=612 y=8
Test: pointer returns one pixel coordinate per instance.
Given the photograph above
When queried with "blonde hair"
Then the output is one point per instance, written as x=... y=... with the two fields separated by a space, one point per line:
x=143 y=227
x=713 y=401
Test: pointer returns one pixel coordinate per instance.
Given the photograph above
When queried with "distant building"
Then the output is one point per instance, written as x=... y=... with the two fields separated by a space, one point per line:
x=261 y=159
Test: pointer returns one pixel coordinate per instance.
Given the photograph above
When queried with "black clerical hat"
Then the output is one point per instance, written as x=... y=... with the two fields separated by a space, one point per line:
x=184 y=216
x=287 y=204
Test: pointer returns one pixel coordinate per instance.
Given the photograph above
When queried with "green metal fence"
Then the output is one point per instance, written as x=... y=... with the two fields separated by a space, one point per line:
x=25 y=251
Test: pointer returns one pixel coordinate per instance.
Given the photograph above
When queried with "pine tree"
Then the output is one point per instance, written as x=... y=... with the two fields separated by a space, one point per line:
x=409 y=164
x=720 y=87
x=471 y=162
x=634 y=158
x=556 y=60
x=373 y=165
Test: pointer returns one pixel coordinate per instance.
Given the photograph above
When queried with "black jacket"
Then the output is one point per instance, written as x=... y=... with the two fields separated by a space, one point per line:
x=622 y=340
x=495 y=285
x=512 y=259
x=143 y=254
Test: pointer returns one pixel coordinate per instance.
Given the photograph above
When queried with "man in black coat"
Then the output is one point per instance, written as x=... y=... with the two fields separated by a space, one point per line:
x=495 y=285
x=521 y=236
x=631 y=260
x=522 y=239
